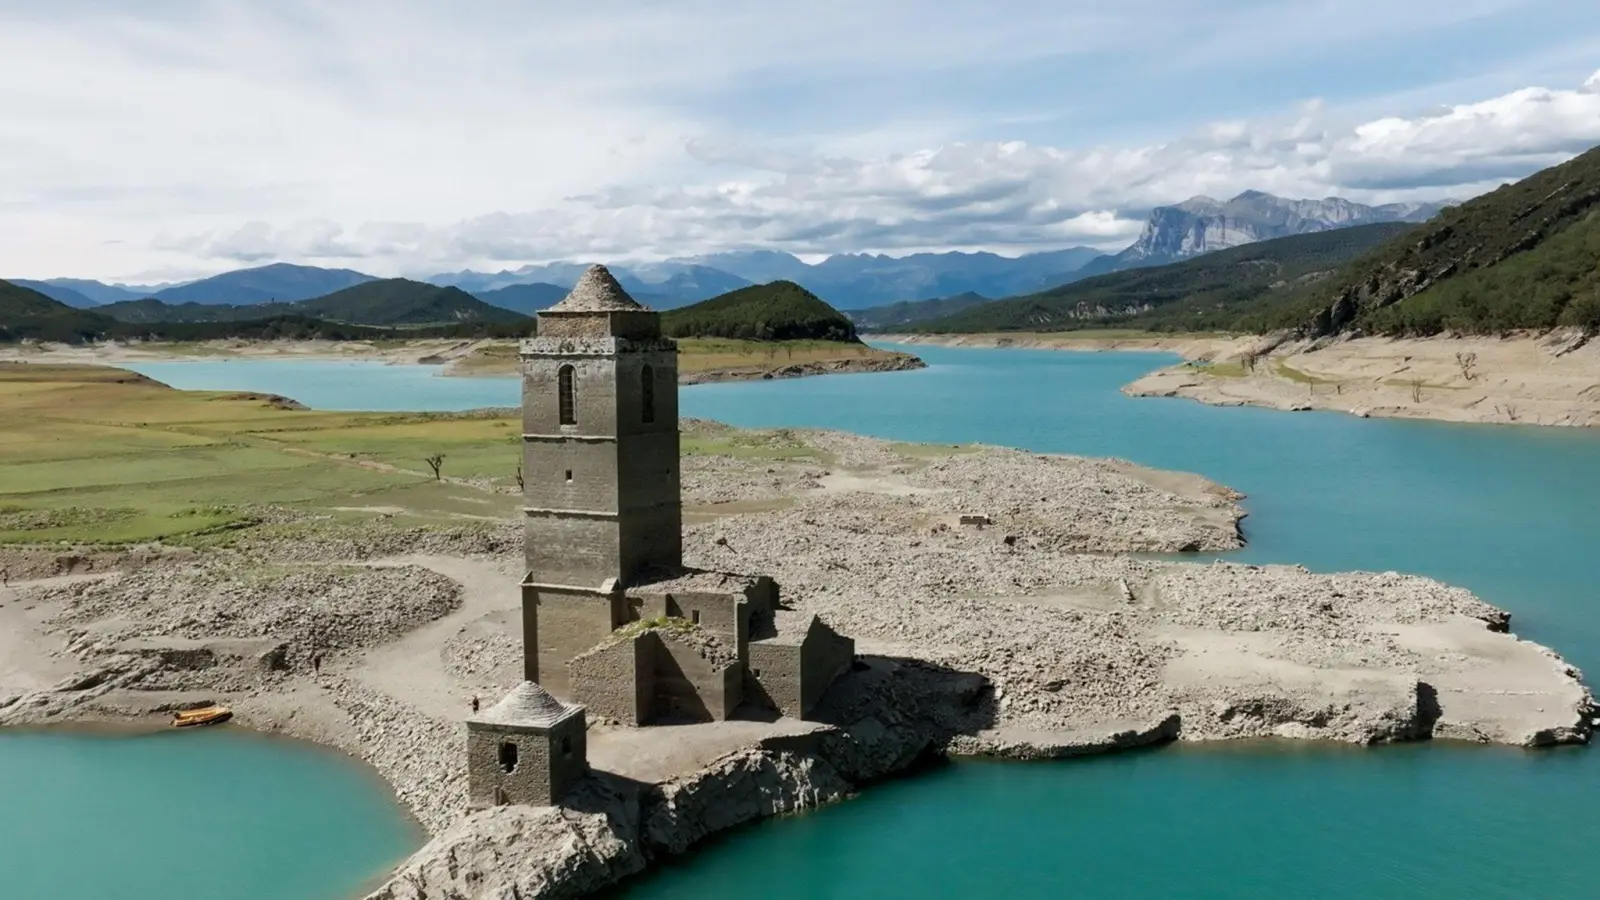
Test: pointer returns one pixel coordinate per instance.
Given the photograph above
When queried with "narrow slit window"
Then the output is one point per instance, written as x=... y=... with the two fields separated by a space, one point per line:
x=569 y=415
x=647 y=393
x=569 y=476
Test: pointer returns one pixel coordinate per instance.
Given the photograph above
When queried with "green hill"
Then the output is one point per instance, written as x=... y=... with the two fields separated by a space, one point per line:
x=780 y=311
x=394 y=302
x=149 y=310
x=1217 y=291
x=400 y=301
x=1524 y=256
x=27 y=314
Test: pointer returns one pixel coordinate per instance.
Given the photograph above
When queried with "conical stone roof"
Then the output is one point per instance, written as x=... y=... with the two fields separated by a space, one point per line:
x=597 y=291
x=527 y=704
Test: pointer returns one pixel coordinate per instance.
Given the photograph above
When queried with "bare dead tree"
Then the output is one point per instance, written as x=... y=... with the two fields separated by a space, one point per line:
x=1249 y=358
x=1468 y=362
x=1416 y=390
x=1510 y=411
x=520 y=486
x=434 y=462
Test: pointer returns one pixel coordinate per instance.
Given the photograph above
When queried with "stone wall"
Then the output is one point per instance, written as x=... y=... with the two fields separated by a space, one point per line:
x=594 y=395
x=569 y=623
x=582 y=551
x=791 y=672
x=725 y=615
x=689 y=687
x=658 y=675
x=545 y=764
x=774 y=673
x=824 y=656
x=616 y=680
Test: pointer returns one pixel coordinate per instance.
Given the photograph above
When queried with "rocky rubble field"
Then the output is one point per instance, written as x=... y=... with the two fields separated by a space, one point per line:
x=313 y=609
x=1069 y=639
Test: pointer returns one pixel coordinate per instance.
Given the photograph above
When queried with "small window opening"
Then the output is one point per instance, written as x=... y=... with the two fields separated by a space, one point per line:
x=508 y=756
x=564 y=745
x=647 y=394
x=694 y=616
x=756 y=672
x=569 y=475
x=564 y=376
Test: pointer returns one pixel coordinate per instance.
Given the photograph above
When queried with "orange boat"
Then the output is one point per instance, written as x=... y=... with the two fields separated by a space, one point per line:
x=205 y=715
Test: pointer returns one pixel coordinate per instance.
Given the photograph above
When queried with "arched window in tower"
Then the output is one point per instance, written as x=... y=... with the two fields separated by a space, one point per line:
x=569 y=414
x=647 y=394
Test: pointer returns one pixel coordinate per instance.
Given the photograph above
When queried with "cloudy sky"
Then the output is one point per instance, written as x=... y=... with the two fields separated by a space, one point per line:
x=153 y=139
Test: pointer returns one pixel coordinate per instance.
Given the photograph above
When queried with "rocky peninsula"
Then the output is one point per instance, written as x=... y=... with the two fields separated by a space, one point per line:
x=994 y=596
x=1550 y=378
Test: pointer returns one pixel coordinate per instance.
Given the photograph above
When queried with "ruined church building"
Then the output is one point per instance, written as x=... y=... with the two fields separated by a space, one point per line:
x=612 y=620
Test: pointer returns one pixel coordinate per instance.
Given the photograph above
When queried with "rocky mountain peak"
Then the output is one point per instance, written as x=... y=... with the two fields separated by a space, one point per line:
x=1201 y=224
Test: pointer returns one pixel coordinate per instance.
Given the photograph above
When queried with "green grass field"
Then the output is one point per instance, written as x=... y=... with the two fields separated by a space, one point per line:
x=94 y=455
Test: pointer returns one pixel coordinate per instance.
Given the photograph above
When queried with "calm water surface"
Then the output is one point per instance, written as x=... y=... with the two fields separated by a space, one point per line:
x=215 y=814
x=1512 y=513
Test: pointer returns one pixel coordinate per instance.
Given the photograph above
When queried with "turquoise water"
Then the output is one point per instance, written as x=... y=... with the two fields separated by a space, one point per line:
x=1510 y=512
x=215 y=814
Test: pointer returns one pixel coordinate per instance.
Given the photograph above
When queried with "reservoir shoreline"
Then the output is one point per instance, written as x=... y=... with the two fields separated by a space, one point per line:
x=1548 y=379
x=705 y=361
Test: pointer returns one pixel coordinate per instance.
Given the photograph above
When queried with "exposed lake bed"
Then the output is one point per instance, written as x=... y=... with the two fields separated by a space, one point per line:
x=933 y=417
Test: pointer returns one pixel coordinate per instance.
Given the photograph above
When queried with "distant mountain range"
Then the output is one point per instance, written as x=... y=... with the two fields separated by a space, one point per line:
x=1213 y=290
x=276 y=283
x=849 y=281
x=1519 y=258
x=1202 y=225
x=387 y=302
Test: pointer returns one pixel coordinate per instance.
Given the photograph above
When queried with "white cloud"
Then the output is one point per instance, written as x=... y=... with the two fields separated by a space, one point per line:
x=1008 y=195
x=185 y=137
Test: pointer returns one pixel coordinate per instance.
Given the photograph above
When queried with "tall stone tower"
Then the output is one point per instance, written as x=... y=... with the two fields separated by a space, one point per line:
x=600 y=468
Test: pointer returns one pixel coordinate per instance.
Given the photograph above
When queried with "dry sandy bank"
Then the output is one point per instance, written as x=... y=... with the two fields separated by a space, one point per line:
x=1526 y=379
x=1529 y=379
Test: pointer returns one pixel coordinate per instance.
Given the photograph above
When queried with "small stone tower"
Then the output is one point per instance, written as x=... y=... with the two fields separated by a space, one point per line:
x=527 y=749
x=600 y=468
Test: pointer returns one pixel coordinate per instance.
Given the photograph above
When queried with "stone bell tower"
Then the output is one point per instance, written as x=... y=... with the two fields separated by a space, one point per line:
x=600 y=468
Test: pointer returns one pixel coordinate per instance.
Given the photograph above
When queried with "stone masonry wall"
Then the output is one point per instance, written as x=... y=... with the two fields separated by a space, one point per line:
x=563 y=550
x=529 y=783
x=725 y=615
x=824 y=656
x=616 y=681
x=690 y=687
x=569 y=753
x=569 y=624
x=775 y=669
